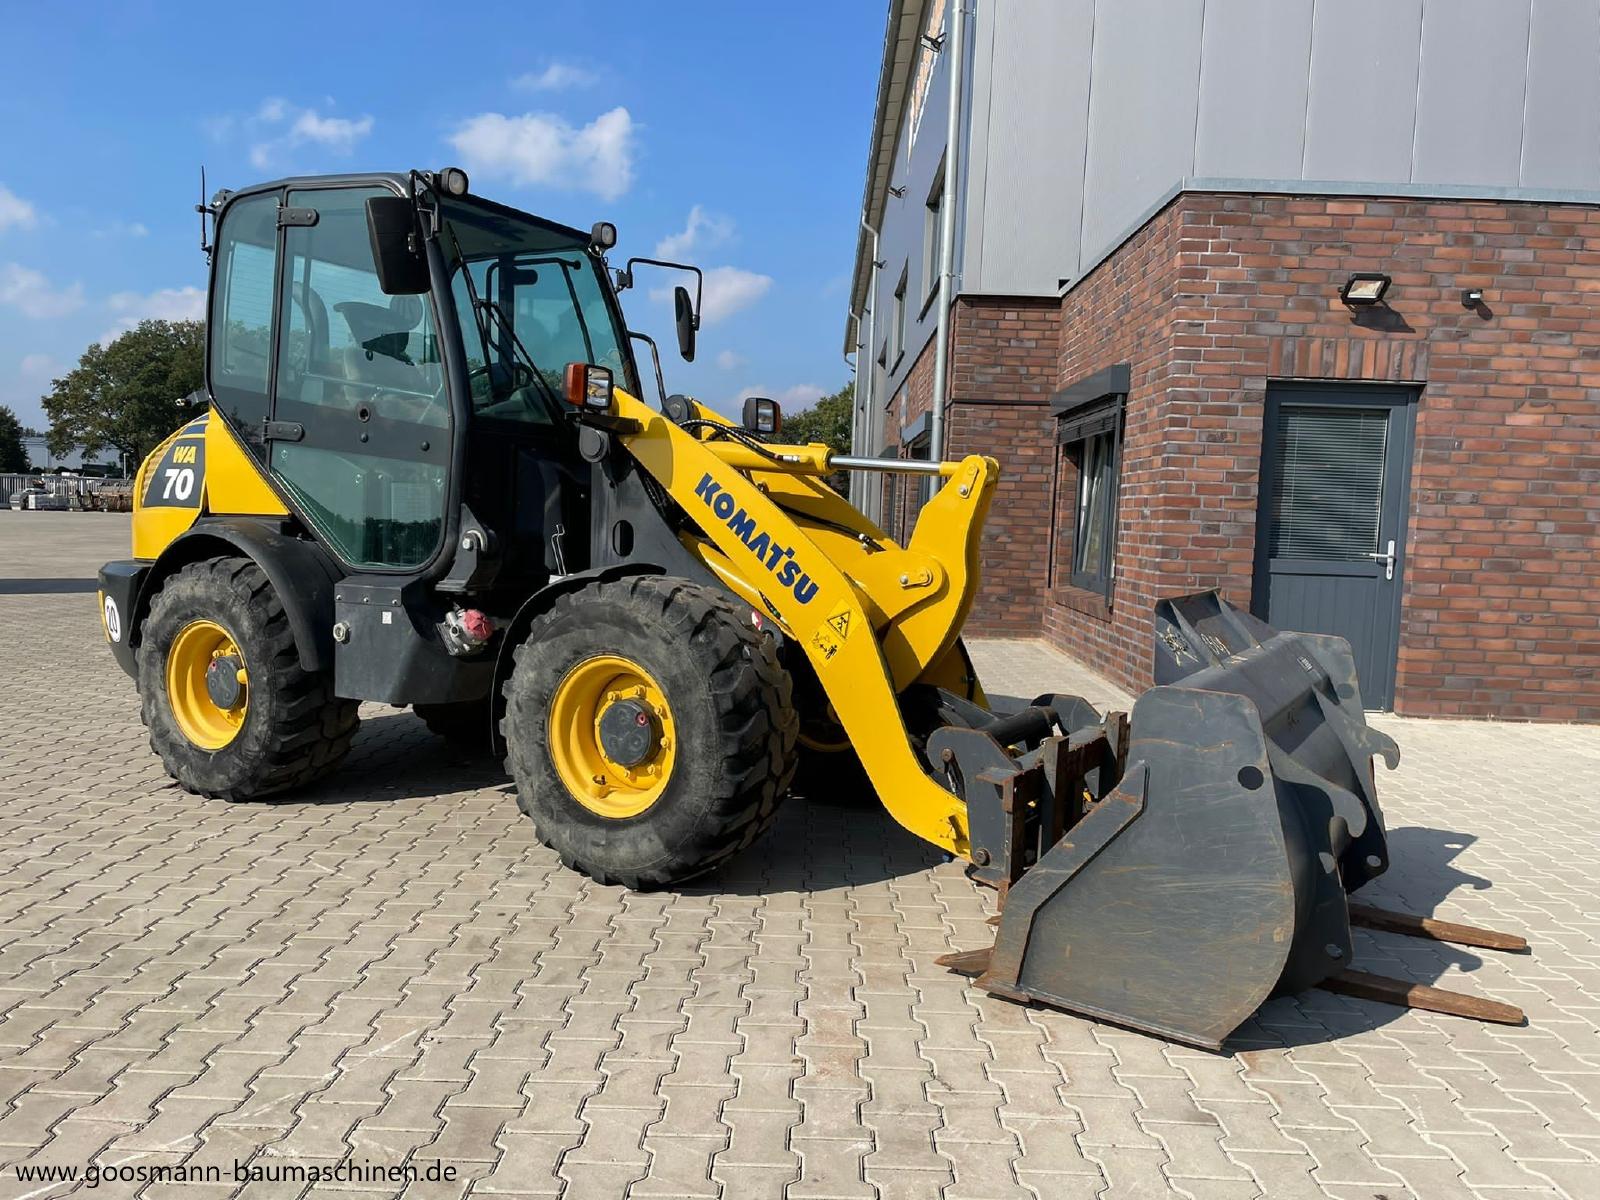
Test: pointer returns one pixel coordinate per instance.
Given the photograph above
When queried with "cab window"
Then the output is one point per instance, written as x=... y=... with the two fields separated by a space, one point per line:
x=240 y=324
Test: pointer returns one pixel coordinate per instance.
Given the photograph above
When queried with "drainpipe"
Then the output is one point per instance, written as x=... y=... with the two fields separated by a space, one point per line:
x=861 y=427
x=947 y=231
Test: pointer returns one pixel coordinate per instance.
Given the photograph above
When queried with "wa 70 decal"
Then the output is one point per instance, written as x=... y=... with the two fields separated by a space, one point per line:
x=178 y=479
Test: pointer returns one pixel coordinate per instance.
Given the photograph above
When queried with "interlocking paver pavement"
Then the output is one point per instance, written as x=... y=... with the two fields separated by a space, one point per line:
x=388 y=968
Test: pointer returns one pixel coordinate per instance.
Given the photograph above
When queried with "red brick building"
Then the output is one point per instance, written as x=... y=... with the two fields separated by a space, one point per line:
x=1202 y=406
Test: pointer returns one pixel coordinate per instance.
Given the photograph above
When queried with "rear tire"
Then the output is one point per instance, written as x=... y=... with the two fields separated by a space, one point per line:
x=731 y=741
x=294 y=729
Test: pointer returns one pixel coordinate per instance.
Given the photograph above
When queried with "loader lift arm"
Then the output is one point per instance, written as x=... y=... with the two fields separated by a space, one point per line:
x=867 y=637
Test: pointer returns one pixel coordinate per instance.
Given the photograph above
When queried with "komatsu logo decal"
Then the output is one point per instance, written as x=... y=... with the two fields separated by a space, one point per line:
x=777 y=558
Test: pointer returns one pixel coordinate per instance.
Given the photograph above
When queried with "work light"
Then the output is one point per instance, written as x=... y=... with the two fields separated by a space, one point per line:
x=588 y=387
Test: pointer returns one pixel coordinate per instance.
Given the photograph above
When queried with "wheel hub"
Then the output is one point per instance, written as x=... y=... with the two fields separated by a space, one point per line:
x=611 y=736
x=224 y=681
x=629 y=732
x=207 y=684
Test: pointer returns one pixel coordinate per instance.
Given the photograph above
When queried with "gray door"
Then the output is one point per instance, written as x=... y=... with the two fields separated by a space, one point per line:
x=1331 y=533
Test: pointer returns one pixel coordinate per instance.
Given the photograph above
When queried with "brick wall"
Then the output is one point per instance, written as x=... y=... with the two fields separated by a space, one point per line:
x=1218 y=294
x=1002 y=371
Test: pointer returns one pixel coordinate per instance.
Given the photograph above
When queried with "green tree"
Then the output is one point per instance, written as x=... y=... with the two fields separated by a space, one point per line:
x=129 y=395
x=827 y=421
x=13 y=455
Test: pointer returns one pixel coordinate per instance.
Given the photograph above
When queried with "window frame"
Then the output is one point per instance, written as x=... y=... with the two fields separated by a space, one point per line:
x=932 y=241
x=897 y=331
x=1079 y=431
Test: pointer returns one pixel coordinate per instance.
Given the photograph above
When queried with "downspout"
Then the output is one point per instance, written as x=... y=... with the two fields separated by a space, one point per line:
x=947 y=231
x=862 y=426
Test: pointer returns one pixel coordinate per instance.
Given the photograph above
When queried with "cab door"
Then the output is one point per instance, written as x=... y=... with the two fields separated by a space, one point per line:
x=359 y=432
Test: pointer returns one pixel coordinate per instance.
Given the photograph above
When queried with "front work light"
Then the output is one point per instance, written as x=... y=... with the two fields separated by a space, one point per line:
x=762 y=415
x=602 y=236
x=588 y=387
x=454 y=181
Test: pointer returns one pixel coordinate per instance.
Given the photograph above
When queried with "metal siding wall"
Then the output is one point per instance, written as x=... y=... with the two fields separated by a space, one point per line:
x=1146 y=68
x=1254 y=57
x=916 y=166
x=1041 y=51
x=1561 y=142
x=1095 y=109
x=1362 y=107
x=1470 y=92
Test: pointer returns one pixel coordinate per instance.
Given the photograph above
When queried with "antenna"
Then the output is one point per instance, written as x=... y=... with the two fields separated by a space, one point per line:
x=202 y=208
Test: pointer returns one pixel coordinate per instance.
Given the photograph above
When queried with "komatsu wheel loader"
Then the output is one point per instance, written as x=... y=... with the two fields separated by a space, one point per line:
x=423 y=473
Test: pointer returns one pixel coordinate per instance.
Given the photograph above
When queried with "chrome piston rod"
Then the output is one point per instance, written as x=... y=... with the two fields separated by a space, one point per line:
x=902 y=466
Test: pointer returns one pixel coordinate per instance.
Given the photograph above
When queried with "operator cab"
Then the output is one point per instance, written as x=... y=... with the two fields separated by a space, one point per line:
x=393 y=411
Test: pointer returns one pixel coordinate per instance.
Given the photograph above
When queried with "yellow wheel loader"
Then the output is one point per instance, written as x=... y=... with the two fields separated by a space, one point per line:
x=425 y=474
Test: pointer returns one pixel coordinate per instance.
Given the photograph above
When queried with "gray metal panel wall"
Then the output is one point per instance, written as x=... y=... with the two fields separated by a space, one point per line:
x=1470 y=92
x=1253 y=78
x=1362 y=103
x=917 y=163
x=1093 y=111
x=1146 y=72
x=1033 y=210
x=1561 y=138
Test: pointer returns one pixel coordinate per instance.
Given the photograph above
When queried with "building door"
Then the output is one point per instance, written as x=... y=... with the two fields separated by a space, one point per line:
x=1331 y=541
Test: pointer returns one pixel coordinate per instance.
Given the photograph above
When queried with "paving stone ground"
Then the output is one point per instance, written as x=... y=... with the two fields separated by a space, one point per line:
x=388 y=969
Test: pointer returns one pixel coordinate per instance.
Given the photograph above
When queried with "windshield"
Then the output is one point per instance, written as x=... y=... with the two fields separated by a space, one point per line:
x=531 y=299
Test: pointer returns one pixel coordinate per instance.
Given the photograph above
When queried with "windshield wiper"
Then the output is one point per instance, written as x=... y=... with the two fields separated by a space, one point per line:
x=493 y=309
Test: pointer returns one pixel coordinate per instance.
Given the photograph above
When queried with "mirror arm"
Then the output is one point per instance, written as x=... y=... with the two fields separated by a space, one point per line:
x=625 y=279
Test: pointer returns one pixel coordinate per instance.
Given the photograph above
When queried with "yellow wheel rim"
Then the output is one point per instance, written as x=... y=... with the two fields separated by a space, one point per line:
x=599 y=782
x=206 y=723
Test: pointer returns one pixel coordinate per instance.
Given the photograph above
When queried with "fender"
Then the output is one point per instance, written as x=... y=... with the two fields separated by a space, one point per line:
x=538 y=603
x=300 y=571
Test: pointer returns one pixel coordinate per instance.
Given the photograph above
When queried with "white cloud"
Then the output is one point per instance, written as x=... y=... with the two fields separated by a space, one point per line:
x=557 y=77
x=727 y=290
x=539 y=148
x=727 y=360
x=167 y=304
x=14 y=210
x=30 y=293
x=702 y=230
x=37 y=366
x=791 y=400
x=287 y=127
x=123 y=229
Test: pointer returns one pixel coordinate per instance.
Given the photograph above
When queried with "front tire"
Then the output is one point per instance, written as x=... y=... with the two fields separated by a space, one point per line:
x=650 y=730
x=230 y=710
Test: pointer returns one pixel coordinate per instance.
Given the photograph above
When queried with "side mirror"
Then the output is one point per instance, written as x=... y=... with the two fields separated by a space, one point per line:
x=683 y=311
x=397 y=246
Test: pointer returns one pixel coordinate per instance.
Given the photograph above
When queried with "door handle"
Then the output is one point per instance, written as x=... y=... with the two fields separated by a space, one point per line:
x=1386 y=558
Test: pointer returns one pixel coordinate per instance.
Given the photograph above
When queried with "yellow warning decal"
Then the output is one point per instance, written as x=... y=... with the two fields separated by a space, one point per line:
x=833 y=632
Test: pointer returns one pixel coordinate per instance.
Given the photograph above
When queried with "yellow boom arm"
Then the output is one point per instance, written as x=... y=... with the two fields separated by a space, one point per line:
x=871 y=617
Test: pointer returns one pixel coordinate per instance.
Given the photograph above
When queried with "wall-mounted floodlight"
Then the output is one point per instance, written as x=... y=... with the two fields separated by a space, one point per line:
x=1471 y=297
x=1364 y=288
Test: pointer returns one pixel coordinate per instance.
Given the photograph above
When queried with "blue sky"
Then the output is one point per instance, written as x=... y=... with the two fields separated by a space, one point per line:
x=733 y=133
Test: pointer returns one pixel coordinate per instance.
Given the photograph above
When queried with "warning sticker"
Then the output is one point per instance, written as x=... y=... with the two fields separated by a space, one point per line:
x=833 y=632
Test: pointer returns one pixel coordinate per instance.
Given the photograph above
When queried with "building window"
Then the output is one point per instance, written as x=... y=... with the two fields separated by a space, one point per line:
x=1089 y=434
x=932 y=243
x=932 y=27
x=897 y=333
x=1094 y=529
